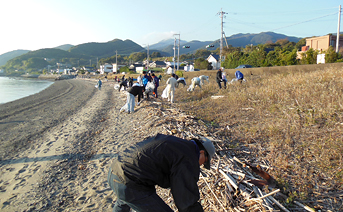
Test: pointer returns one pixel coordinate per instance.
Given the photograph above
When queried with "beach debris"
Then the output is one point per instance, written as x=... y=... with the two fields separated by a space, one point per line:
x=233 y=184
x=217 y=97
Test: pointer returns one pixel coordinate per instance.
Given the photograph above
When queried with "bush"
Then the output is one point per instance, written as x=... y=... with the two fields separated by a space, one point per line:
x=179 y=73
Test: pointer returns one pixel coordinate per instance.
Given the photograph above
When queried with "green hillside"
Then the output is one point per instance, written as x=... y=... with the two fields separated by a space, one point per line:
x=107 y=49
x=40 y=59
x=10 y=55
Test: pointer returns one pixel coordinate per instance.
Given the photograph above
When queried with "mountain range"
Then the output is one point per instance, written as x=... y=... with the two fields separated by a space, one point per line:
x=127 y=47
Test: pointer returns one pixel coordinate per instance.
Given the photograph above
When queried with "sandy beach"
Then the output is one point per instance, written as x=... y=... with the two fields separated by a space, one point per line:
x=57 y=145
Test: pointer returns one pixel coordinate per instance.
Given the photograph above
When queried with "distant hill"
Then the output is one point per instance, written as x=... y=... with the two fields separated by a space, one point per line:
x=242 y=40
x=10 y=55
x=50 y=53
x=87 y=52
x=64 y=47
x=194 y=45
x=237 y=40
x=167 y=42
x=35 y=60
x=107 y=49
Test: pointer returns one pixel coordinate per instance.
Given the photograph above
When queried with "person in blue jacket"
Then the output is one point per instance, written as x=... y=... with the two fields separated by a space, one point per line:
x=163 y=160
x=99 y=84
x=145 y=79
x=239 y=76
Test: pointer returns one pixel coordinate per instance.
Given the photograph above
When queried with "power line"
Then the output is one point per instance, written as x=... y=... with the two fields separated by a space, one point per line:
x=303 y=21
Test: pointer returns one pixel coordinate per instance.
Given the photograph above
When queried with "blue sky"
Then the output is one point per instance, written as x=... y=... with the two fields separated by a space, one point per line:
x=36 y=24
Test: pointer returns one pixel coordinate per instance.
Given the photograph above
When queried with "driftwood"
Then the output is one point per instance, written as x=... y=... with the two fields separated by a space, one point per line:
x=228 y=186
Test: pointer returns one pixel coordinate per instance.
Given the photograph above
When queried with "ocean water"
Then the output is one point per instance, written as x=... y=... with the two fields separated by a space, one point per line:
x=13 y=88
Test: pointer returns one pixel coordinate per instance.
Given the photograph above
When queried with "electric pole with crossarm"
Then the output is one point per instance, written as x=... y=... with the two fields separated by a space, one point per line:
x=221 y=13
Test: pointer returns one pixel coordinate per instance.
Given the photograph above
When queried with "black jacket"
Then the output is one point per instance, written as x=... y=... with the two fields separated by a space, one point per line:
x=219 y=76
x=163 y=160
x=136 y=90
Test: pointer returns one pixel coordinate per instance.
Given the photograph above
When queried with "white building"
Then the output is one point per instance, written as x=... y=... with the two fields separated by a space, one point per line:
x=214 y=60
x=67 y=70
x=106 y=68
x=139 y=70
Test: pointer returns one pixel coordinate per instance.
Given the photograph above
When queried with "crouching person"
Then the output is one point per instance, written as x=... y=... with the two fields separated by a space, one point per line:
x=163 y=160
x=133 y=91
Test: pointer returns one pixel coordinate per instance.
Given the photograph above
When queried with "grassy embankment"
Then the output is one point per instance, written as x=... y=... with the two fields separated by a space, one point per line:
x=291 y=117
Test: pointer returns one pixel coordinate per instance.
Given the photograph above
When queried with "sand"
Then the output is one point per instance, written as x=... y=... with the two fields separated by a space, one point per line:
x=56 y=146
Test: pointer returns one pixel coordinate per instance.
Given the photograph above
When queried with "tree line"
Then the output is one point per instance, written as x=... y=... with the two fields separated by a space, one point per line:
x=280 y=53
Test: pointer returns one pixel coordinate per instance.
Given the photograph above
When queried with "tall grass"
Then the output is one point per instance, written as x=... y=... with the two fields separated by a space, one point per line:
x=291 y=117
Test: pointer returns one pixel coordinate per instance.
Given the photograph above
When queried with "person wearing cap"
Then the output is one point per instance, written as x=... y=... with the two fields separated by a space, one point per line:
x=163 y=160
x=219 y=78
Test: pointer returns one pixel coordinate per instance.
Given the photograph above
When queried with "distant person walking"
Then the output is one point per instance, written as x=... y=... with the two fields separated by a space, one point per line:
x=99 y=84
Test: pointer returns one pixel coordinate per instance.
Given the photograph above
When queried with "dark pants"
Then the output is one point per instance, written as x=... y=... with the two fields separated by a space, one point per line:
x=138 y=200
x=122 y=86
x=155 y=91
x=219 y=84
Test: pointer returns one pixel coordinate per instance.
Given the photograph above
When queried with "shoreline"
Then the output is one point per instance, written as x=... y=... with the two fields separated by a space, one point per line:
x=57 y=145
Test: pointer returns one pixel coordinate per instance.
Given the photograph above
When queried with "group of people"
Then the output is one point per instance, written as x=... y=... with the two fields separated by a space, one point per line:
x=146 y=84
x=149 y=83
x=163 y=160
x=221 y=77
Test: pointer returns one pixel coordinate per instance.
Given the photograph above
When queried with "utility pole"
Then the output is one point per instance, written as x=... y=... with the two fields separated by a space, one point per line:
x=174 y=54
x=178 y=53
x=148 y=58
x=221 y=13
x=116 y=61
x=338 y=29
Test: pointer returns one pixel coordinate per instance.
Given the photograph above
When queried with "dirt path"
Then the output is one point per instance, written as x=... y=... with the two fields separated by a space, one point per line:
x=62 y=158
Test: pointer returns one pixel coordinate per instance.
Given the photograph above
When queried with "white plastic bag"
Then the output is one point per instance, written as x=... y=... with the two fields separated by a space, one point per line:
x=164 y=93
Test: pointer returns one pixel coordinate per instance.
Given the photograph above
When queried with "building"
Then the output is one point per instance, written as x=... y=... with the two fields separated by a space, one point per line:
x=321 y=43
x=157 y=64
x=106 y=68
x=214 y=59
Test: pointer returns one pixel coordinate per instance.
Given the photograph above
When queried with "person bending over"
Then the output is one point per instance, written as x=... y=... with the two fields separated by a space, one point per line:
x=163 y=160
x=135 y=90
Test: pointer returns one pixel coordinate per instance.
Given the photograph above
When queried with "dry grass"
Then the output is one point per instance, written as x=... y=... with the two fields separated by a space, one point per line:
x=291 y=117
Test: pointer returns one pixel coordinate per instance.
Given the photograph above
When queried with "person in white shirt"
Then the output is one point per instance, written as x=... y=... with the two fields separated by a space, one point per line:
x=171 y=85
